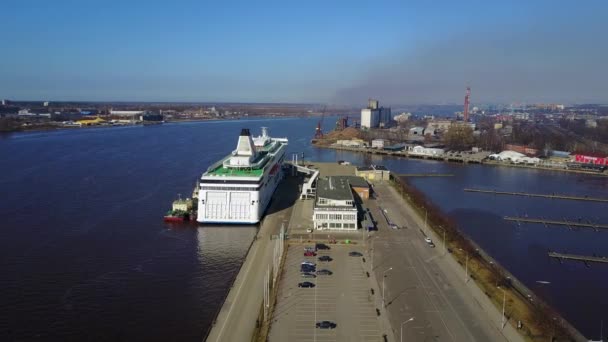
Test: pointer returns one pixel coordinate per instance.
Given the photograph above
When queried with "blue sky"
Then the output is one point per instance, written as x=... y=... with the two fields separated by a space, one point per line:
x=304 y=51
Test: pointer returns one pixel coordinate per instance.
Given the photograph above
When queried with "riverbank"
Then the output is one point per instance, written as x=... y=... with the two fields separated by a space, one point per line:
x=539 y=321
x=455 y=159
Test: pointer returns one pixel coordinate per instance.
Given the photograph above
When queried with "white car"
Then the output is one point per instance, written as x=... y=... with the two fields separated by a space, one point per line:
x=428 y=240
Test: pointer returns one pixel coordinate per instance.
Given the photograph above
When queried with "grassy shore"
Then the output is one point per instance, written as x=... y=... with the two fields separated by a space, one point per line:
x=539 y=321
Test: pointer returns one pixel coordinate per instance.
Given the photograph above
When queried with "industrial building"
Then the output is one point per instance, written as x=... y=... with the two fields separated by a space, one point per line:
x=378 y=143
x=373 y=172
x=427 y=151
x=375 y=116
x=354 y=142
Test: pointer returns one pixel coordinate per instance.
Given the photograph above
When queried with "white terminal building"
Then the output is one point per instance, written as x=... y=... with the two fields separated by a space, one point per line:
x=334 y=207
x=375 y=116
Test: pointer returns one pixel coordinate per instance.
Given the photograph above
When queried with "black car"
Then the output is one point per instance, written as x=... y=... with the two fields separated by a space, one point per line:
x=355 y=254
x=325 y=258
x=324 y=272
x=308 y=269
x=326 y=325
x=306 y=284
x=321 y=246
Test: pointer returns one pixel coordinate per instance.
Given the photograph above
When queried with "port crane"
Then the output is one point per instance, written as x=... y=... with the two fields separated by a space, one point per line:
x=319 y=129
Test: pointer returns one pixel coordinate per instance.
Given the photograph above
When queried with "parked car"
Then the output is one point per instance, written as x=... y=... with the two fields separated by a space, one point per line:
x=308 y=263
x=432 y=245
x=322 y=246
x=306 y=284
x=324 y=272
x=308 y=275
x=325 y=258
x=355 y=254
x=428 y=240
x=306 y=268
x=309 y=254
x=326 y=325
x=310 y=249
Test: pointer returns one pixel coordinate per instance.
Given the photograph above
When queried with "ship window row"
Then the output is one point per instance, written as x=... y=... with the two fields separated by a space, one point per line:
x=224 y=181
x=225 y=188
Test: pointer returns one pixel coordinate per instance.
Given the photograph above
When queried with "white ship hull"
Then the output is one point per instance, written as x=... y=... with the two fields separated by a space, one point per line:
x=237 y=199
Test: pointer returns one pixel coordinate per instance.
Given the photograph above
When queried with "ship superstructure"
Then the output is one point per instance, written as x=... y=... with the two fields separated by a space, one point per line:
x=238 y=188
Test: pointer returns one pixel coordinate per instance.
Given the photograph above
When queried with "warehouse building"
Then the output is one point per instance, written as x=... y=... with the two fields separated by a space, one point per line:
x=373 y=172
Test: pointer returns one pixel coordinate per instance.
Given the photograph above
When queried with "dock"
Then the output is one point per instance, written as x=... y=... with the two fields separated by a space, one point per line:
x=583 y=258
x=551 y=196
x=557 y=222
x=424 y=175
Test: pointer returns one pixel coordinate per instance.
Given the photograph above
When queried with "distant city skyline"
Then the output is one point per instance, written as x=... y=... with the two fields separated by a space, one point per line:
x=339 y=52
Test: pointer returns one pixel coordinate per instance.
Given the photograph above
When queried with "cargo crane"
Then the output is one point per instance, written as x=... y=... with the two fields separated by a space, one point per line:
x=319 y=129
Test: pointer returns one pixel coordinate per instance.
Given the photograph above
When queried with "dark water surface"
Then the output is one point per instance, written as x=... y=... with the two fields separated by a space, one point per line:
x=84 y=252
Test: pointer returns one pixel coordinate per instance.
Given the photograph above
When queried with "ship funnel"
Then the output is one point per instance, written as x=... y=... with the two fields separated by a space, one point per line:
x=245 y=144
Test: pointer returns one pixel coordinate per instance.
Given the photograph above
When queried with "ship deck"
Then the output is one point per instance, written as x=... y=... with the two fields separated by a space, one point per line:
x=224 y=171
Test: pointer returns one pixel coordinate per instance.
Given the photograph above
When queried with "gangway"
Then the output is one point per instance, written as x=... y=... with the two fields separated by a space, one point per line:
x=309 y=188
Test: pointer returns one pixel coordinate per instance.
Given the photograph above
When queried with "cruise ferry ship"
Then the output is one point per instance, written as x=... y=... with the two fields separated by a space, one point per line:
x=238 y=188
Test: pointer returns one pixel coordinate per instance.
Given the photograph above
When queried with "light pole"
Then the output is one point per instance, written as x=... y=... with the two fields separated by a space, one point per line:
x=426 y=227
x=444 y=248
x=315 y=327
x=504 y=299
x=466 y=266
x=409 y=320
x=384 y=276
x=371 y=252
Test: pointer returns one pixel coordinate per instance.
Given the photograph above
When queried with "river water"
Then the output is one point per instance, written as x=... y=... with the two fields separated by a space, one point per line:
x=84 y=253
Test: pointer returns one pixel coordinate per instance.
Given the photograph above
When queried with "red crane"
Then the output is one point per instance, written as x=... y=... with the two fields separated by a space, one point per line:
x=319 y=130
x=466 y=104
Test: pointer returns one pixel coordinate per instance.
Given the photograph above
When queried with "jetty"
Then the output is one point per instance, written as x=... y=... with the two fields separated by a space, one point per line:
x=425 y=175
x=557 y=222
x=575 y=257
x=551 y=196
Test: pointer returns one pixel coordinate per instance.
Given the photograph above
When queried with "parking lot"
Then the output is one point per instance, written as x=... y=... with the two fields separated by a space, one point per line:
x=343 y=298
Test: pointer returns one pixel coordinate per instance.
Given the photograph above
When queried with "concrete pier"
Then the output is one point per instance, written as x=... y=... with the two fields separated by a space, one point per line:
x=236 y=320
x=583 y=258
x=551 y=196
x=557 y=222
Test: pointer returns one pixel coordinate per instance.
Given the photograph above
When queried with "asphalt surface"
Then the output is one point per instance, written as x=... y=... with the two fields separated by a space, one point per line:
x=425 y=283
x=343 y=298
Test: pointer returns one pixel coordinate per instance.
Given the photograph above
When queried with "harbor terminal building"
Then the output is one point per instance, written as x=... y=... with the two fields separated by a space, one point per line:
x=336 y=202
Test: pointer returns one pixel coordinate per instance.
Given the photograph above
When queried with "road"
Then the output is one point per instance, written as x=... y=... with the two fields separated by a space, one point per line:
x=426 y=283
x=237 y=318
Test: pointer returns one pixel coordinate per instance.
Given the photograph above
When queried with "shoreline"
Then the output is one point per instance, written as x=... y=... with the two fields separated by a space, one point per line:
x=47 y=127
x=441 y=159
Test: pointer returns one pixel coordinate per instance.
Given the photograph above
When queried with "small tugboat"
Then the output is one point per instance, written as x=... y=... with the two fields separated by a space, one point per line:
x=180 y=210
